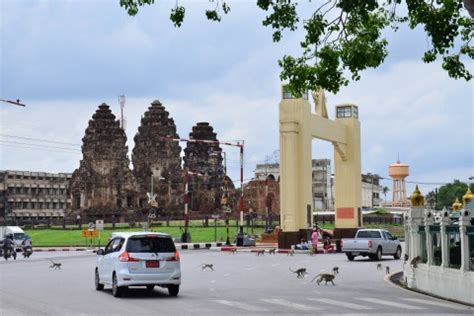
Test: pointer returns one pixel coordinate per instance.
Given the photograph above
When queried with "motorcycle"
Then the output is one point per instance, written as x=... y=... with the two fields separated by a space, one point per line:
x=9 y=253
x=27 y=251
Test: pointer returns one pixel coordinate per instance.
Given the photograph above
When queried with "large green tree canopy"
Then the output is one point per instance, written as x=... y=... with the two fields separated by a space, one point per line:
x=447 y=194
x=345 y=36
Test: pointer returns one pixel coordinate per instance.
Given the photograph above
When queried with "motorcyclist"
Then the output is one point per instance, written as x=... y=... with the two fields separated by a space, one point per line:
x=9 y=246
x=26 y=247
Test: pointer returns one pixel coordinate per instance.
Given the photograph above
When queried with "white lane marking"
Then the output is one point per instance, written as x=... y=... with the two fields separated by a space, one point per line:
x=286 y=303
x=339 y=303
x=436 y=303
x=240 y=305
x=389 y=303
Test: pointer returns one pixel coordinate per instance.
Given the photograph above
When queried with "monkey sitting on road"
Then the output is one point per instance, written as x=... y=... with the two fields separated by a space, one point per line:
x=300 y=273
x=55 y=265
x=379 y=266
x=414 y=262
x=208 y=266
x=387 y=270
x=291 y=252
x=326 y=277
x=260 y=252
x=335 y=270
x=272 y=251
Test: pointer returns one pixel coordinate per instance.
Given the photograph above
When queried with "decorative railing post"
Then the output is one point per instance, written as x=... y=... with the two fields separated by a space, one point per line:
x=444 y=238
x=429 y=220
x=464 y=222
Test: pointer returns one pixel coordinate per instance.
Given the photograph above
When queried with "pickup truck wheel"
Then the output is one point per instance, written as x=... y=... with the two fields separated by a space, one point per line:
x=398 y=254
x=350 y=257
x=378 y=254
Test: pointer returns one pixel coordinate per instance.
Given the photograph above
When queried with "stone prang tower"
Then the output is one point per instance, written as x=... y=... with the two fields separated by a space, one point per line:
x=157 y=162
x=206 y=159
x=104 y=185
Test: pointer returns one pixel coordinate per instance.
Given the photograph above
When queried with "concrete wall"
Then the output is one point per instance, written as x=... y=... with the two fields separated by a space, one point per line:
x=445 y=282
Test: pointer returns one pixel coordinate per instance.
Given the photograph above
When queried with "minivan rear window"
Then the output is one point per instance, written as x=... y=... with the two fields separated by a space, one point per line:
x=150 y=244
x=369 y=234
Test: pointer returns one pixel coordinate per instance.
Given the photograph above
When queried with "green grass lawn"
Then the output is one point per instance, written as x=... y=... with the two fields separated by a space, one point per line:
x=58 y=237
x=73 y=236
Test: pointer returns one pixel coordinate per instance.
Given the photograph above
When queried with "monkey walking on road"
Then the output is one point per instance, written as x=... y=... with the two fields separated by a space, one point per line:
x=55 y=265
x=387 y=270
x=291 y=252
x=261 y=252
x=272 y=251
x=379 y=266
x=335 y=270
x=326 y=277
x=233 y=251
x=207 y=266
x=300 y=273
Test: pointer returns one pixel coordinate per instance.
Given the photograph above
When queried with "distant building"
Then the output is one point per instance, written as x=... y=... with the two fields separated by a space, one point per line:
x=321 y=181
x=323 y=185
x=25 y=193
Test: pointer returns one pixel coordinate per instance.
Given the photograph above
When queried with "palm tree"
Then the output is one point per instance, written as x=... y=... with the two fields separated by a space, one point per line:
x=385 y=190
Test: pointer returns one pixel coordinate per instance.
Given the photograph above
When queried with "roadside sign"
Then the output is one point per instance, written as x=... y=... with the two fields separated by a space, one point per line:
x=99 y=224
x=89 y=233
x=91 y=226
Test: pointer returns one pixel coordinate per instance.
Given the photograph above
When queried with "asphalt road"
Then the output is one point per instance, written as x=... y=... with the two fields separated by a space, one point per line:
x=241 y=284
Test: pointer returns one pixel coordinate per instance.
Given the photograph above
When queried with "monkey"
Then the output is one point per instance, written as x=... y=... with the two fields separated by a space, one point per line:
x=233 y=251
x=207 y=265
x=414 y=262
x=261 y=252
x=324 y=276
x=272 y=251
x=335 y=270
x=291 y=252
x=300 y=273
x=55 y=265
x=312 y=251
x=387 y=270
x=379 y=266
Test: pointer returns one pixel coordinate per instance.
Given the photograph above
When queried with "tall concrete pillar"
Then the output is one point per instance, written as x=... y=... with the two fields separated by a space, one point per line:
x=428 y=221
x=444 y=238
x=464 y=222
x=348 y=170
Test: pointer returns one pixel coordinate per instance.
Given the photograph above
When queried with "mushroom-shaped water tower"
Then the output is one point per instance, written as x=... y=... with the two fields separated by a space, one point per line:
x=398 y=172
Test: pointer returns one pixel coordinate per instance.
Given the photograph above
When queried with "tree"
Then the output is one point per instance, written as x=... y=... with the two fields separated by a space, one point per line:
x=385 y=191
x=345 y=36
x=448 y=193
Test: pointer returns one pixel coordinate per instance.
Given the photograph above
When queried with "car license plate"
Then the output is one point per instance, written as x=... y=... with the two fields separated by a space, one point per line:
x=152 y=264
x=355 y=253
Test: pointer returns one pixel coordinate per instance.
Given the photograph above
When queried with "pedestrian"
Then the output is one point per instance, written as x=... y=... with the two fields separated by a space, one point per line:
x=314 y=239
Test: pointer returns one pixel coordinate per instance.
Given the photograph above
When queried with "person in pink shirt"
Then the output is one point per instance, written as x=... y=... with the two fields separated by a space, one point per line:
x=314 y=239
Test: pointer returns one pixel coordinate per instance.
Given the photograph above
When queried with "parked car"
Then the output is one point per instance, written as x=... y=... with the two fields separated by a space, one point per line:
x=373 y=243
x=138 y=259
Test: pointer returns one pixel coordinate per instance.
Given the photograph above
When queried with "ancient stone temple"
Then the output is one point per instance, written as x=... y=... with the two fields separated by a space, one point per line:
x=104 y=184
x=205 y=159
x=157 y=162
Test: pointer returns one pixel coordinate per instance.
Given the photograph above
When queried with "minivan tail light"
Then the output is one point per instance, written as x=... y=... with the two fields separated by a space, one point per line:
x=370 y=243
x=175 y=257
x=125 y=257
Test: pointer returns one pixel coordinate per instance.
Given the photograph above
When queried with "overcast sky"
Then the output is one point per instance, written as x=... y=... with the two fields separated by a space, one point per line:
x=64 y=58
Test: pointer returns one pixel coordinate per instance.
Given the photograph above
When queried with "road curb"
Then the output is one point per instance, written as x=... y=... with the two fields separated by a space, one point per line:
x=388 y=279
x=187 y=246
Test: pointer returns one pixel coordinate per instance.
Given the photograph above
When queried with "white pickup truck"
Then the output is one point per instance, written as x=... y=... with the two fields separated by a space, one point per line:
x=373 y=243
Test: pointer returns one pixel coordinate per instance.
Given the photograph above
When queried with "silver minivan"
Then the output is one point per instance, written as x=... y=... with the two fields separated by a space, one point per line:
x=138 y=259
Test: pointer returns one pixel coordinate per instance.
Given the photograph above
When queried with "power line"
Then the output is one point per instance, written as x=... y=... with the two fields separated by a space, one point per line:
x=49 y=149
x=39 y=139
x=39 y=145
